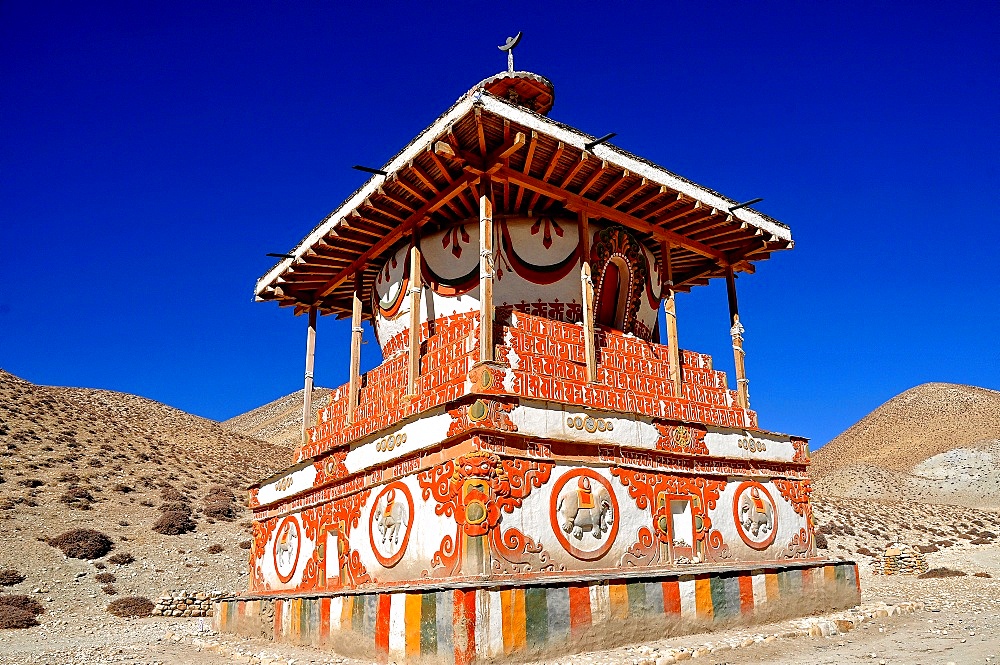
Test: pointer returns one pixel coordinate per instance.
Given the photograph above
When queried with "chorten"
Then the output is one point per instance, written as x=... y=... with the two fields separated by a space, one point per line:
x=535 y=461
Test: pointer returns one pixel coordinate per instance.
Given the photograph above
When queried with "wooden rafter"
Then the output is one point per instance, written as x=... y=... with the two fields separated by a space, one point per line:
x=577 y=202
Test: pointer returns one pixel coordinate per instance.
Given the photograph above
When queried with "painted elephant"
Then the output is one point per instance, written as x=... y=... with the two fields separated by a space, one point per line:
x=756 y=513
x=582 y=509
x=391 y=518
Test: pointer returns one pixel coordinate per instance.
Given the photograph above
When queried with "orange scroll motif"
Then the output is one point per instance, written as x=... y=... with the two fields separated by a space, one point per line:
x=679 y=438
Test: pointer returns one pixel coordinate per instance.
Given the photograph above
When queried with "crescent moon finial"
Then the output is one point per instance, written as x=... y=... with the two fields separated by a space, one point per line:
x=511 y=42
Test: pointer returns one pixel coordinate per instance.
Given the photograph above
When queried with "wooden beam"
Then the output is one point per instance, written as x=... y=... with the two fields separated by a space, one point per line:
x=736 y=332
x=548 y=172
x=307 y=390
x=630 y=192
x=531 y=153
x=670 y=314
x=677 y=214
x=355 y=381
x=594 y=177
x=577 y=202
x=390 y=239
x=486 y=274
x=587 y=296
x=615 y=184
x=663 y=206
x=416 y=289
x=397 y=179
x=584 y=156
x=643 y=200
x=480 y=132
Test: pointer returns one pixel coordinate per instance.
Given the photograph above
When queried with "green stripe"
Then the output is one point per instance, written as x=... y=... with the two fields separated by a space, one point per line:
x=536 y=616
x=636 y=599
x=428 y=624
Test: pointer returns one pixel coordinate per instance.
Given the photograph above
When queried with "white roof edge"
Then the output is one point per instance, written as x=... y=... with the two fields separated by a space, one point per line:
x=633 y=165
x=415 y=147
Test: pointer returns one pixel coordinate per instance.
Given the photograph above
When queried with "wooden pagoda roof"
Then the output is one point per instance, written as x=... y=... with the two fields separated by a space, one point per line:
x=536 y=166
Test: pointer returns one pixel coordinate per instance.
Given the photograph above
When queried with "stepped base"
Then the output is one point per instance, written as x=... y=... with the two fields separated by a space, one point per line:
x=551 y=616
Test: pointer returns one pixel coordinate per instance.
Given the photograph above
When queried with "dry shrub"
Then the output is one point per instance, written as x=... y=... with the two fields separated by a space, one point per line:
x=245 y=544
x=10 y=577
x=12 y=617
x=105 y=578
x=170 y=494
x=82 y=543
x=124 y=489
x=121 y=559
x=174 y=523
x=926 y=549
x=77 y=497
x=982 y=574
x=821 y=541
x=110 y=590
x=175 y=507
x=131 y=606
x=220 y=510
x=981 y=541
x=941 y=572
x=219 y=493
x=25 y=603
x=99 y=565
x=32 y=482
x=215 y=549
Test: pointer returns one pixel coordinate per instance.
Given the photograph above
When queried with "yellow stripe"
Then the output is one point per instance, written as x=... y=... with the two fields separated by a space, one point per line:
x=507 y=620
x=830 y=575
x=411 y=621
x=703 y=598
x=618 y=597
x=771 y=584
x=518 y=620
x=346 y=610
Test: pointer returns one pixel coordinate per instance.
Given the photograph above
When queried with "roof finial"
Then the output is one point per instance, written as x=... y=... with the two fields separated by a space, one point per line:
x=509 y=47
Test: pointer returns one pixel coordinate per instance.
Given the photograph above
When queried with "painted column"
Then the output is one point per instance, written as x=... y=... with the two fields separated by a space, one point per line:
x=670 y=314
x=486 y=274
x=736 y=331
x=355 y=381
x=310 y=363
x=587 y=296
x=416 y=289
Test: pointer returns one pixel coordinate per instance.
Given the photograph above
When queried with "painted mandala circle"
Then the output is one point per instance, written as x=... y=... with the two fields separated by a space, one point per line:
x=390 y=523
x=287 y=544
x=755 y=514
x=584 y=514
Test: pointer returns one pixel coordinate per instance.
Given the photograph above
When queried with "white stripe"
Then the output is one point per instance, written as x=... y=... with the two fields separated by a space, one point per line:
x=600 y=603
x=397 y=625
x=759 y=590
x=336 y=609
x=689 y=610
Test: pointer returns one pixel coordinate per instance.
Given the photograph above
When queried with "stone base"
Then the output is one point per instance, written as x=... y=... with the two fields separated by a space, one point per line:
x=551 y=616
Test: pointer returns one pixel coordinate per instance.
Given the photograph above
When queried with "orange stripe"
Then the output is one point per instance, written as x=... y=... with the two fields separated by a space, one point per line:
x=411 y=623
x=464 y=620
x=346 y=610
x=579 y=606
x=382 y=624
x=671 y=597
x=278 y=607
x=703 y=598
x=807 y=578
x=746 y=594
x=518 y=620
x=507 y=620
x=618 y=595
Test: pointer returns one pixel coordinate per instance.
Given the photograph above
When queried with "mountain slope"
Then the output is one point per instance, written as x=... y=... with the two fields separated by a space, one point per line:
x=80 y=458
x=935 y=443
x=278 y=422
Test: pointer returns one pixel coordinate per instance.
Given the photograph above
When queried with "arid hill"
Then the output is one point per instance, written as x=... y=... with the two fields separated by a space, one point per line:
x=278 y=422
x=116 y=463
x=935 y=443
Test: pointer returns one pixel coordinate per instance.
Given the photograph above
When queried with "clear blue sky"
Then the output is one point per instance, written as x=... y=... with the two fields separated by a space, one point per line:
x=152 y=153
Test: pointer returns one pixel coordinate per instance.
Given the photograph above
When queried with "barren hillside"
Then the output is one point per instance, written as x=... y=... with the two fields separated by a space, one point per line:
x=937 y=443
x=117 y=463
x=278 y=422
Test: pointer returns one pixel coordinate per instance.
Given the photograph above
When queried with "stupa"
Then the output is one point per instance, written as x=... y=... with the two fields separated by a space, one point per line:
x=530 y=468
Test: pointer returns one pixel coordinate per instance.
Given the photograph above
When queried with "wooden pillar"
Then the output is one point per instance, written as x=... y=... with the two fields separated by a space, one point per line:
x=355 y=382
x=587 y=296
x=736 y=331
x=486 y=273
x=670 y=314
x=307 y=391
x=416 y=289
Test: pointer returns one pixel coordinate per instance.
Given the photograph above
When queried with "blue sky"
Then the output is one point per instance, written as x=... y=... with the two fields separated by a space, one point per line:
x=152 y=153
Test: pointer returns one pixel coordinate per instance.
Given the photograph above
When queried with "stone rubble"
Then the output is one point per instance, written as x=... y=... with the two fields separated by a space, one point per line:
x=900 y=559
x=185 y=603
